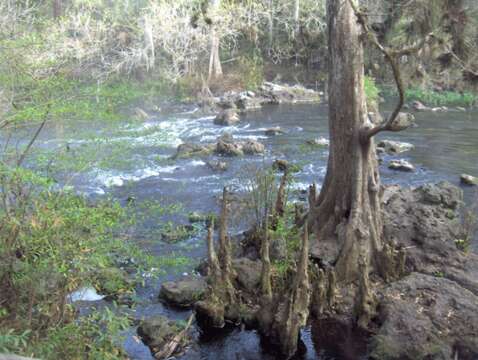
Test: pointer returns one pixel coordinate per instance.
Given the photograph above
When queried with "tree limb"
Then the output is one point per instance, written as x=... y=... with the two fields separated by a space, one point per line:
x=397 y=121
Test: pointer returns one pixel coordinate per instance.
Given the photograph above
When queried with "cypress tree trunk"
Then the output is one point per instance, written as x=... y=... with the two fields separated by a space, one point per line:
x=347 y=215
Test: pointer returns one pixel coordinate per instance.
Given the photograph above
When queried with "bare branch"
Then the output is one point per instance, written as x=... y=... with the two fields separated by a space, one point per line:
x=397 y=121
x=35 y=136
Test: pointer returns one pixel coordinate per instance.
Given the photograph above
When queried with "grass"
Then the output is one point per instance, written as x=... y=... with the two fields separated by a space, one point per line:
x=441 y=98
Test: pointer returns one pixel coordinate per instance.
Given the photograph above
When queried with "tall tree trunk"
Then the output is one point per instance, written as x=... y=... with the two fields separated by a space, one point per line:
x=215 y=67
x=270 y=20
x=57 y=12
x=348 y=220
x=296 y=17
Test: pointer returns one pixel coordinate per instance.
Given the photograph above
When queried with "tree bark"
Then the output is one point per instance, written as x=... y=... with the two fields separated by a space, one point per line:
x=57 y=11
x=215 y=67
x=348 y=220
x=296 y=18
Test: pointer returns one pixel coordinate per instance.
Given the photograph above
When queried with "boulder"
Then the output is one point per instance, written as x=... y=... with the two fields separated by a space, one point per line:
x=274 y=131
x=468 y=180
x=227 y=117
x=393 y=147
x=183 y=293
x=187 y=150
x=425 y=221
x=210 y=315
x=226 y=148
x=426 y=317
x=217 y=165
x=401 y=165
x=248 y=273
x=253 y=147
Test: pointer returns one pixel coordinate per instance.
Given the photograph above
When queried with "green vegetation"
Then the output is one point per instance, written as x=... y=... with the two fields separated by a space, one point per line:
x=372 y=92
x=54 y=243
x=441 y=98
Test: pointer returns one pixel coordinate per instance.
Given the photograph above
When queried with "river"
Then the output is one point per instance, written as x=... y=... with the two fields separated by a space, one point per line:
x=129 y=160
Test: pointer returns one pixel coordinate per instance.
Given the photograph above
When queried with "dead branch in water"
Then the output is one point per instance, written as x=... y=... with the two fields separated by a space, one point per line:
x=170 y=348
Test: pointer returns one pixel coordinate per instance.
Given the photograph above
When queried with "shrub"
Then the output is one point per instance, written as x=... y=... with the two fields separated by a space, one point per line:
x=54 y=242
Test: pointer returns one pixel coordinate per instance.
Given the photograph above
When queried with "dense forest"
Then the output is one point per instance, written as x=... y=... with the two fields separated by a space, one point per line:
x=238 y=179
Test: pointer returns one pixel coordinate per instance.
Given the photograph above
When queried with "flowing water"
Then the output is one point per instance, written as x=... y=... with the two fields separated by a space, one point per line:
x=129 y=161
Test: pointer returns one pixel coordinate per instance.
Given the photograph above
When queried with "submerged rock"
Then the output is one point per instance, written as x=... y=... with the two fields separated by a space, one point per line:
x=227 y=117
x=393 y=147
x=468 y=180
x=274 y=131
x=217 y=165
x=401 y=165
x=183 y=293
x=426 y=317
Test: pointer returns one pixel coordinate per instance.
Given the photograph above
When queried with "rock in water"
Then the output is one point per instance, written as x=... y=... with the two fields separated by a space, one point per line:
x=217 y=165
x=183 y=293
x=157 y=331
x=227 y=117
x=274 y=131
x=468 y=180
x=319 y=142
x=253 y=147
x=225 y=148
x=418 y=106
x=427 y=317
x=401 y=165
x=187 y=150
x=393 y=147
